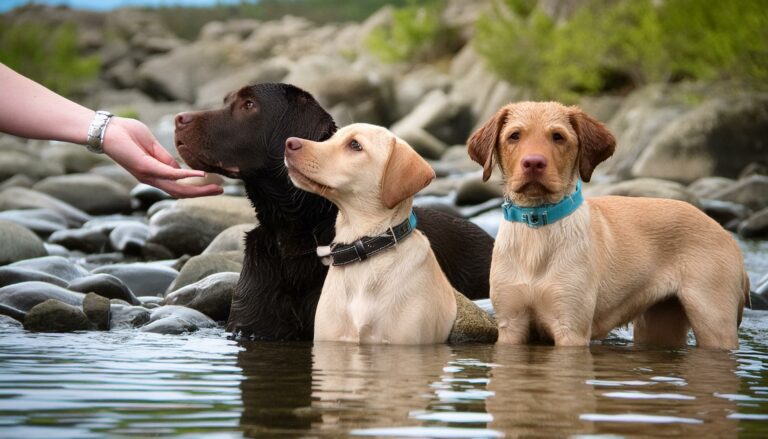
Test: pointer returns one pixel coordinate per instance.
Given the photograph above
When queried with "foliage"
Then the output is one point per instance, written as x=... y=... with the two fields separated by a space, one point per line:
x=614 y=44
x=47 y=54
x=415 y=33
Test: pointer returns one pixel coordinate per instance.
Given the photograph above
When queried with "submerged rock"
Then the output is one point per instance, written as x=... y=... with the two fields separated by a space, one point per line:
x=97 y=309
x=56 y=316
x=126 y=316
x=172 y=319
x=472 y=325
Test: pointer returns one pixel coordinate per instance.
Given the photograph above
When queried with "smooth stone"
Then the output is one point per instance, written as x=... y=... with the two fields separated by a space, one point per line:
x=96 y=260
x=13 y=275
x=109 y=223
x=119 y=302
x=11 y=312
x=74 y=158
x=25 y=295
x=151 y=300
x=148 y=195
x=97 y=309
x=192 y=224
x=201 y=266
x=94 y=194
x=142 y=279
x=57 y=250
x=154 y=252
x=231 y=238
x=171 y=325
x=128 y=316
x=489 y=221
x=644 y=187
x=724 y=212
x=54 y=265
x=758 y=302
x=751 y=192
x=22 y=198
x=18 y=180
x=129 y=238
x=104 y=285
x=212 y=296
x=41 y=221
x=705 y=187
x=18 y=243
x=9 y=322
x=16 y=162
x=85 y=240
x=473 y=190
x=472 y=324
x=56 y=316
x=756 y=226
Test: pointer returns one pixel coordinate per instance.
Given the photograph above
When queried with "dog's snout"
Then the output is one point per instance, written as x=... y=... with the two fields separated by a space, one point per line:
x=293 y=144
x=183 y=119
x=534 y=163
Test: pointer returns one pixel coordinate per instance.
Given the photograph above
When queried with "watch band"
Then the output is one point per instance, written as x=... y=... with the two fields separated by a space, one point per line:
x=95 y=141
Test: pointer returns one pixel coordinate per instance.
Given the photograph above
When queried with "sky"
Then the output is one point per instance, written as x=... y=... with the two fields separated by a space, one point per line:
x=105 y=5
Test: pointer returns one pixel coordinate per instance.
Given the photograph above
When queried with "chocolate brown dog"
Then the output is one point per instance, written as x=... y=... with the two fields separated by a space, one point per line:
x=282 y=276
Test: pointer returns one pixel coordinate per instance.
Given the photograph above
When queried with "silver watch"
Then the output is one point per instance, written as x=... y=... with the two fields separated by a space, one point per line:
x=96 y=130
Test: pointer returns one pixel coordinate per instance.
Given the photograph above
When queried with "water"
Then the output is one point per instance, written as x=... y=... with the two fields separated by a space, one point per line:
x=133 y=384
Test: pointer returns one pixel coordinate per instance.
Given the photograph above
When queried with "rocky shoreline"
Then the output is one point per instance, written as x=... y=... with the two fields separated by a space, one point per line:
x=73 y=223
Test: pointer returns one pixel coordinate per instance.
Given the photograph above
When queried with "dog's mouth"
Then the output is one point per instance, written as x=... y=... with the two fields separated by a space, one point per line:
x=534 y=193
x=303 y=182
x=202 y=163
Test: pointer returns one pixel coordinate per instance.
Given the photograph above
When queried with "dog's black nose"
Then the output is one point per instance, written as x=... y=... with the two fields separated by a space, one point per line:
x=293 y=143
x=183 y=119
x=534 y=163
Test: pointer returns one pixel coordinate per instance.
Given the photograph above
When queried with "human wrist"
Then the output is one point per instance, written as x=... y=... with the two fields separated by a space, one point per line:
x=97 y=131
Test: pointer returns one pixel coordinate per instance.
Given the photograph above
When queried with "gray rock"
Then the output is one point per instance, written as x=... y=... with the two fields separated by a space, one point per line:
x=171 y=319
x=719 y=137
x=129 y=238
x=13 y=313
x=15 y=163
x=93 y=194
x=142 y=279
x=55 y=316
x=473 y=190
x=756 y=226
x=13 y=275
x=85 y=240
x=751 y=192
x=18 y=243
x=25 y=295
x=436 y=114
x=148 y=301
x=97 y=309
x=128 y=316
x=644 y=187
x=41 y=221
x=230 y=239
x=705 y=187
x=22 y=198
x=201 y=266
x=57 y=250
x=725 y=212
x=53 y=265
x=9 y=322
x=212 y=296
x=117 y=173
x=191 y=224
x=104 y=285
x=18 y=180
x=148 y=195
x=74 y=158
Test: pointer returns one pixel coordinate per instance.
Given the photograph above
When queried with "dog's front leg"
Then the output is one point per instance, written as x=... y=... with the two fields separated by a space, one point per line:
x=512 y=313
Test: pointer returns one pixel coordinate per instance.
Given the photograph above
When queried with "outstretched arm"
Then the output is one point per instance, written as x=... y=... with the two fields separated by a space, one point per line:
x=27 y=109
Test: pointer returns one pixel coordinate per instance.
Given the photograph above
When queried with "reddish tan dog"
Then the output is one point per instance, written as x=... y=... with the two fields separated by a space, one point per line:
x=572 y=272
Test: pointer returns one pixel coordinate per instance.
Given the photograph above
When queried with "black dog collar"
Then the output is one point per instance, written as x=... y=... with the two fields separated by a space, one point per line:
x=360 y=250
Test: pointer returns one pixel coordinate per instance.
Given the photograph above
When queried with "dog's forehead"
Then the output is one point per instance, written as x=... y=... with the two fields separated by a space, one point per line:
x=543 y=114
x=371 y=133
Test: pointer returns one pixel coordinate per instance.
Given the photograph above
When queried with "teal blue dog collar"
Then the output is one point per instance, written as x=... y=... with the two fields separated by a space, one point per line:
x=546 y=213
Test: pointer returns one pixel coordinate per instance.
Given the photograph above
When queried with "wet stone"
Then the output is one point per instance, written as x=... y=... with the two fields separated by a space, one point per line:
x=104 y=285
x=18 y=243
x=142 y=279
x=85 y=240
x=55 y=316
x=126 y=316
x=41 y=221
x=97 y=309
x=14 y=275
x=53 y=265
x=212 y=296
x=25 y=295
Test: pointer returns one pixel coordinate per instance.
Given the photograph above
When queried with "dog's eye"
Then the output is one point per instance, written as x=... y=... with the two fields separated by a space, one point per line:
x=557 y=137
x=248 y=105
x=355 y=145
x=515 y=136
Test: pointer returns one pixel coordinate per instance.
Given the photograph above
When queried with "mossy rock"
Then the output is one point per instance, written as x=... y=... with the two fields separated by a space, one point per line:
x=472 y=325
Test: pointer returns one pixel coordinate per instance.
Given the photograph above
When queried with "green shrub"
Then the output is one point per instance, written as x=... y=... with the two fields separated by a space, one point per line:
x=416 y=33
x=48 y=55
x=614 y=44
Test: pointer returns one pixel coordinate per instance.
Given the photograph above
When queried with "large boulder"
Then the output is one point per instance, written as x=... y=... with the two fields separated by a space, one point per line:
x=719 y=137
x=191 y=224
x=18 y=243
x=212 y=295
x=93 y=194
x=23 y=198
x=55 y=316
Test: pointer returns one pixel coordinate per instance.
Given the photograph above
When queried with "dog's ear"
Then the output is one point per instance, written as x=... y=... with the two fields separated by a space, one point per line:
x=596 y=143
x=482 y=144
x=405 y=174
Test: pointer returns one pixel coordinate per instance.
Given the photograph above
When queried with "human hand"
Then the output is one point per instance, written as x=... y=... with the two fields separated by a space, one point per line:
x=133 y=146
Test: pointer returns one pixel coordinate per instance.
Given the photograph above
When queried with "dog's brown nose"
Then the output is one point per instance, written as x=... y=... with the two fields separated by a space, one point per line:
x=293 y=143
x=183 y=119
x=534 y=163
